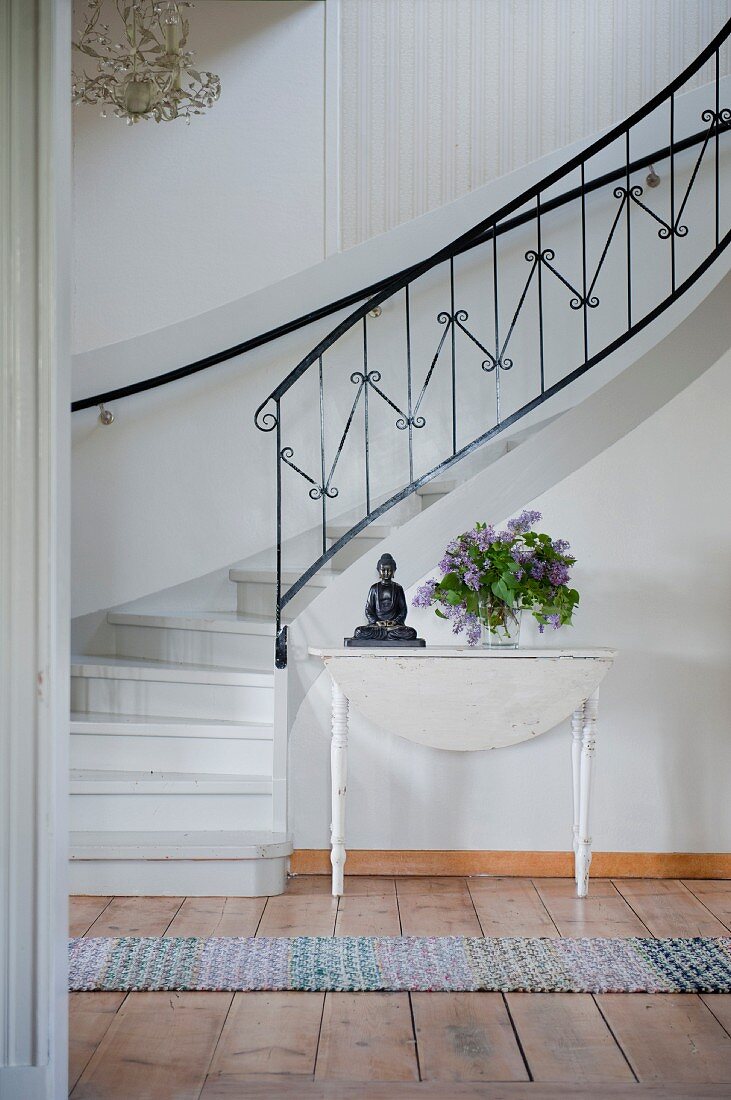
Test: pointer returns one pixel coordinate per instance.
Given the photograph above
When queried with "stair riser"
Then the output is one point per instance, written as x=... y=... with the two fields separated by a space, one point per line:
x=246 y=878
x=170 y=700
x=172 y=811
x=353 y=550
x=427 y=499
x=259 y=598
x=105 y=752
x=195 y=647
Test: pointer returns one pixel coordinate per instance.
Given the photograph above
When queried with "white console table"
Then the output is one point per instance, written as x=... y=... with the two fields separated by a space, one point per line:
x=466 y=699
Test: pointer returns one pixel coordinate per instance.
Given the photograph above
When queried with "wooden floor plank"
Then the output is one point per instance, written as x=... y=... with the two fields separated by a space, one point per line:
x=438 y=915
x=367 y=1037
x=603 y=913
x=138 y=916
x=668 y=908
x=669 y=1037
x=466 y=1037
x=354 y=884
x=83 y=911
x=510 y=907
x=423 y=884
x=720 y=1006
x=715 y=895
x=564 y=1038
x=368 y=915
x=270 y=1033
x=158 y=1047
x=90 y=1015
x=299 y=915
x=217 y=917
x=238 y=1088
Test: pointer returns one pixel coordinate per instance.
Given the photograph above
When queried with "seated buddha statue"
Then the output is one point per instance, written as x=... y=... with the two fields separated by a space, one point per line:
x=385 y=611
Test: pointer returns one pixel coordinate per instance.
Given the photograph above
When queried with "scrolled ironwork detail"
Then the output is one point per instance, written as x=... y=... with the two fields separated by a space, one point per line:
x=265 y=422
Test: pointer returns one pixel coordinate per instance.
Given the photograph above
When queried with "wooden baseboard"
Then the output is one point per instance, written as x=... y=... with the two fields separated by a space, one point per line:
x=365 y=861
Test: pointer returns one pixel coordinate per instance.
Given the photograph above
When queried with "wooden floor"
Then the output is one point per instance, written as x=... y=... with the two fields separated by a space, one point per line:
x=375 y=1046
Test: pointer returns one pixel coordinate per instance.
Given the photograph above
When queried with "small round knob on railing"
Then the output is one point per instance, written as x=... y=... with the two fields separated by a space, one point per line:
x=106 y=416
x=652 y=179
x=375 y=312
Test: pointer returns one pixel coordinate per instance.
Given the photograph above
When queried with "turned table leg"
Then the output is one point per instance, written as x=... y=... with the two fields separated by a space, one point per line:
x=577 y=727
x=586 y=766
x=339 y=778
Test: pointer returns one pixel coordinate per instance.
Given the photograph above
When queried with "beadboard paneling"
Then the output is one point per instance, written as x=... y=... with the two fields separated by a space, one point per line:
x=440 y=96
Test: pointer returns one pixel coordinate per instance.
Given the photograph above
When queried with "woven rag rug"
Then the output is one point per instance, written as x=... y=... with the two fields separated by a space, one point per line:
x=402 y=963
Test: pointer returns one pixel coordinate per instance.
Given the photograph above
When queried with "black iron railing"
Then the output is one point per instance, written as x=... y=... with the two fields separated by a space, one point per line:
x=603 y=218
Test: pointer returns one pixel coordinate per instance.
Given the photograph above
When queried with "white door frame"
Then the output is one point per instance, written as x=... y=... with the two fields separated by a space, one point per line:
x=35 y=192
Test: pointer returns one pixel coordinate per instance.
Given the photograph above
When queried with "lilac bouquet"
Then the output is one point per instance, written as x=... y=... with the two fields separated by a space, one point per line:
x=488 y=575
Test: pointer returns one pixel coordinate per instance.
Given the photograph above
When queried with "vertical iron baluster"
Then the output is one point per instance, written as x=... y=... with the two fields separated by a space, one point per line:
x=717 y=122
x=454 y=372
x=497 y=323
x=629 y=234
x=583 y=260
x=278 y=608
x=540 y=291
x=672 y=191
x=408 y=385
x=365 y=420
x=323 y=498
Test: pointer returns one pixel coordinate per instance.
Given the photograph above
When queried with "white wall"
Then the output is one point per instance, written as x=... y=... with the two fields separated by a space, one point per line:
x=653 y=545
x=172 y=220
x=441 y=96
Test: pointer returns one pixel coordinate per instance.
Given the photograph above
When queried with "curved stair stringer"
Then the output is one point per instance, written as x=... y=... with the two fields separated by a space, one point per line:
x=545 y=459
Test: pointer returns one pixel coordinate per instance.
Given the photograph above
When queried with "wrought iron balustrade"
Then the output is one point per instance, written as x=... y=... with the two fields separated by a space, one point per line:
x=599 y=196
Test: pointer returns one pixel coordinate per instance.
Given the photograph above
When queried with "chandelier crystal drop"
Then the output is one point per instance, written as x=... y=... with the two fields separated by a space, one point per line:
x=149 y=73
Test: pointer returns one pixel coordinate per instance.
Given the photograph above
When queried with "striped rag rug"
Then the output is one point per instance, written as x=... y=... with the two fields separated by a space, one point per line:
x=402 y=963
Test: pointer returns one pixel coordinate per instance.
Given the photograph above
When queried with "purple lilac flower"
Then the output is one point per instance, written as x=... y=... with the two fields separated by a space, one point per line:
x=555 y=621
x=521 y=556
x=485 y=539
x=425 y=594
x=523 y=522
x=537 y=570
x=561 y=546
x=519 y=574
x=472 y=577
x=504 y=536
x=558 y=574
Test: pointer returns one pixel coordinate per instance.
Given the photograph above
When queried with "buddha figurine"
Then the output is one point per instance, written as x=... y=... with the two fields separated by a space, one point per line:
x=385 y=611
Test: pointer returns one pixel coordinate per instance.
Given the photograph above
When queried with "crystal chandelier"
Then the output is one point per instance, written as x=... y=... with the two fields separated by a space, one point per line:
x=149 y=74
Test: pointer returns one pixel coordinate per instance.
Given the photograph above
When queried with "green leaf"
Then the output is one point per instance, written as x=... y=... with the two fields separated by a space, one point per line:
x=439 y=613
x=450 y=581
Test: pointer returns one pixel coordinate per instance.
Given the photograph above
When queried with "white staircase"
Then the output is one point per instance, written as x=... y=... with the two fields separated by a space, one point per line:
x=178 y=773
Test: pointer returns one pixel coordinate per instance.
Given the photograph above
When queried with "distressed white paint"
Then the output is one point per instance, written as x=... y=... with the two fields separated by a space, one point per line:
x=430 y=697
x=465 y=699
x=438 y=98
x=34 y=443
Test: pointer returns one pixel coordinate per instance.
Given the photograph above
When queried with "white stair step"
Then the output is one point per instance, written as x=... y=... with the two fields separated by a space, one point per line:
x=372 y=531
x=218 y=622
x=153 y=671
x=127 y=686
x=244 y=863
x=364 y=542
x=215 y=638
x=257 y=588
x=154 y=801
x=175 y=744
x=172 y=783
x=137 y=725
x=232 y=844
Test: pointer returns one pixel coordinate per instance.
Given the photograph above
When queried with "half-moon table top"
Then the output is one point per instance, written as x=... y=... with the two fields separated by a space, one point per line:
x=489 y=699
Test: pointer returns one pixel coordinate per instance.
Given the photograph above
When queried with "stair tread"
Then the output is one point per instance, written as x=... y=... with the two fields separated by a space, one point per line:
x=93 y=775
x=118 y=722
x=223 y=622
x=147 y=668
x=372 y=531
x=289 y=576
x=177 y=844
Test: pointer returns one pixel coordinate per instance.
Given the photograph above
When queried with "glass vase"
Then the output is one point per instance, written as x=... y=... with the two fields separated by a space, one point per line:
x=499 y=623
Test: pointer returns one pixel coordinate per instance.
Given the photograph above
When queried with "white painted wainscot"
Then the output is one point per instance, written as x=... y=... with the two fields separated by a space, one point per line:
x=467 y=699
